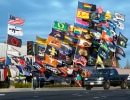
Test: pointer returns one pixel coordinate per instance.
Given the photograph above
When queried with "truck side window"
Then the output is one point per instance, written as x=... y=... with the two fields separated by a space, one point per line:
x=111 y=72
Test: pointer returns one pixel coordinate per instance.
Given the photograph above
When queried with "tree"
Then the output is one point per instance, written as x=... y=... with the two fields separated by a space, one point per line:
x=127 y=66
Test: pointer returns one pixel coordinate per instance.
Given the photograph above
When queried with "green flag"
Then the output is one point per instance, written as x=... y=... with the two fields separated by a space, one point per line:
x=60 y=26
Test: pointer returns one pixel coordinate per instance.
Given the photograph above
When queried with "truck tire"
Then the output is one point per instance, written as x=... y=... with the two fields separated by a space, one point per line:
x=128 y=87
x=123 y=85
x=106 y=85
x=88 y=87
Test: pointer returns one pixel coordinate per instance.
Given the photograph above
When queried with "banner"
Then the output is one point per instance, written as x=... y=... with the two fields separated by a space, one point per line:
x=119 y=16
x=41 y=41
x=82 y=14
x=12 y=51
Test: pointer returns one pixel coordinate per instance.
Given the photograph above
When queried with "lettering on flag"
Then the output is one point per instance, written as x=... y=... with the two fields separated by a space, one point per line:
x=16 y=31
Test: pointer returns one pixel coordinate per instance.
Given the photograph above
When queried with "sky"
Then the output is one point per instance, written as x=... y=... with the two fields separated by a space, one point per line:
x=39 y=16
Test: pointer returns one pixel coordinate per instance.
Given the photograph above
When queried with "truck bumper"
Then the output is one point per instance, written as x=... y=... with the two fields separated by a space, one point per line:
x=93 y=83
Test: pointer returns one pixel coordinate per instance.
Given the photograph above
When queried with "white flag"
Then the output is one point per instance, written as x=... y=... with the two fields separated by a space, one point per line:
x=12 y=51
x=119 y=16
x=16 y=31
x=120 y=25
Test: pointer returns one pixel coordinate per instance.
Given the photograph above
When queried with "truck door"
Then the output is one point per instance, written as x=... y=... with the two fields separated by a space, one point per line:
x=113 y=77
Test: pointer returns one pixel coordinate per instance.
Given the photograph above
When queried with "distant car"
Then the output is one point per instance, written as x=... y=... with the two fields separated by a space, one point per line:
x=105 y=78
x=128 y=82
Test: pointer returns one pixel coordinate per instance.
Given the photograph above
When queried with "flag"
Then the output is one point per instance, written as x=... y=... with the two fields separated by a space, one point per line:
x=91 y=60
x=94 y=16
x=80 y=60
x=97 y=35
x=65 y=49
x=57 y=34
x=51 y=61
x=15 y=20
x=8 y=61
x=117 y=57
x=12 y=51
x=99 y=10
x=82 y=14
x=119 y=16
x=120 y=25
x=60 y=26
x=16 y=31
x=81 y=23
x=120 y=51
x=104 y=47
x=84 y=43
x=93 y=7
x=84 y=6
x=122 y=40
x=51 y=51
x=108 y=15
x=106 y=37
x=40 y=50
x=111 y=46
x=82 y=52
x=53 y=42
x=106 y=30
x=103 y=54
x=105 y=23
x=100 y=62
x=41 y=41
x=14 y=41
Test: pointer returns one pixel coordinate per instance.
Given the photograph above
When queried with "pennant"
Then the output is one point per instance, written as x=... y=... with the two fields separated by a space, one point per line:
x=41 y=41
x=106 y=37
x=122 y=40
x=120 y=51
x=53 y=42
x=15 y=20
x=100 y=62
x=49 y=60
x=82 y=14
x=51 y=51
x=12 y=51
x=14 y=41
x=16 y=31
x=119 y=16
x=60 y=26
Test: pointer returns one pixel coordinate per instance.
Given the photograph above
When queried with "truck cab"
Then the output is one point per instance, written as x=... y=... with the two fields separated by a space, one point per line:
x=105 y=78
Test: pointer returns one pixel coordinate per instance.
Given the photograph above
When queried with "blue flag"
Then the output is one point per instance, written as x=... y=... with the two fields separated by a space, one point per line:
x=8 y=61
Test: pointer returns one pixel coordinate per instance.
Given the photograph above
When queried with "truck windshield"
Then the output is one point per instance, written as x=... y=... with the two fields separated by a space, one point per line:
x=101 y=72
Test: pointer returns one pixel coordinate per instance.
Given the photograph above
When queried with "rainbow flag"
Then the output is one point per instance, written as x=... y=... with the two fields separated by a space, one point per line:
x=84 y=6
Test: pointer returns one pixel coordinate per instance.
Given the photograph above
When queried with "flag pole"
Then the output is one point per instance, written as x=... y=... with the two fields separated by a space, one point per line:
x=6 y=41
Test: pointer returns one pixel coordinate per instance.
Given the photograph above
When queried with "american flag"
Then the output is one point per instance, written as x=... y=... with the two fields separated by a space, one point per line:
x=16 y=20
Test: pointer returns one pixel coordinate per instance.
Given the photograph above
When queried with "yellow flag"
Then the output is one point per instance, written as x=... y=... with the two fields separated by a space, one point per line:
x=41 y=41
x=108 y=15
x=100 y=62
x=82 y=14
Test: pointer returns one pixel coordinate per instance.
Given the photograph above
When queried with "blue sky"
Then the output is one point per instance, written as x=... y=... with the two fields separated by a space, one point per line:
x=40 y=14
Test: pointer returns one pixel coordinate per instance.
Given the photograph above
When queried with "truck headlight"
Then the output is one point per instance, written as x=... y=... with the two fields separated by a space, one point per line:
x=86 y=79
x=101 y=78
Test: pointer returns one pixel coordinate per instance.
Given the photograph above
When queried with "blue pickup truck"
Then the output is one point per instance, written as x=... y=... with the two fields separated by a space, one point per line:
x=105 y=78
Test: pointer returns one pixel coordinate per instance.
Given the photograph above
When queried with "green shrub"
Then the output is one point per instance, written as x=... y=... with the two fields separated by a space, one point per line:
x=21 y=85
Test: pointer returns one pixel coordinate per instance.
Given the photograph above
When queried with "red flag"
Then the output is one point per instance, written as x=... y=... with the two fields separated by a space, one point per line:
x=106 y=37
x=16 y=20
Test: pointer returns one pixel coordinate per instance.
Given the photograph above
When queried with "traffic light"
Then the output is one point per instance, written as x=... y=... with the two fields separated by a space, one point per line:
x=29 y=47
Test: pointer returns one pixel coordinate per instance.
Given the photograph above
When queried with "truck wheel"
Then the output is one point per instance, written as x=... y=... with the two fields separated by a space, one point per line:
x=106 y=85
x=123 y=85
x=88 y=87
x=128 y=87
